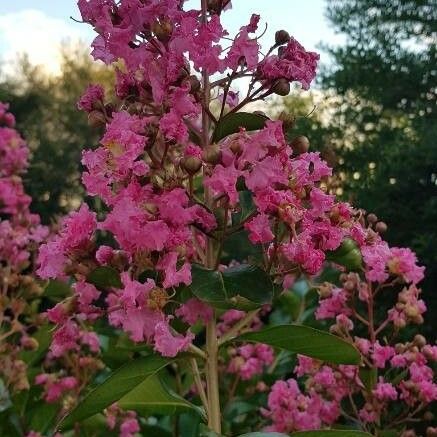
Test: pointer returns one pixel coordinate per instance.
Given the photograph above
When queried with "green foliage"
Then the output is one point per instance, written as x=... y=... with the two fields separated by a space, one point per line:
x=232 y=123
x=56 y=131
x=306 y=341
x=119 y=384
x=244 y=287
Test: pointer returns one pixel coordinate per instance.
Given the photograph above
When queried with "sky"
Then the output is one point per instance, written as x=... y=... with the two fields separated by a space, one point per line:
x=38 y=27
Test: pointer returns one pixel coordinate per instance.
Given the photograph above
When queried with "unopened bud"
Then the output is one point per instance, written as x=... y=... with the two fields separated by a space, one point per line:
x=349 y=286
x=419 y=340
x=191 y=164
x=431 y=431
x=162 y=29
x=29 y=343
x=428 y=415
x=372 y=218
x=380 y=227
x=300 y=144
x=282 y=37
x=281 y=87
x=96 y=119
x=212 y=154
x=235 y=147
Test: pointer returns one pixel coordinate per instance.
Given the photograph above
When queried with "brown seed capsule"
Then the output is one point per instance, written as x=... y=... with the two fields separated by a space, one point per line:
x=191 y=164
x=281 y=87
x=212 y=154
x=300 y=144
x=96 y=119
x=380 y=227
x=282 y=37
x=372 y=218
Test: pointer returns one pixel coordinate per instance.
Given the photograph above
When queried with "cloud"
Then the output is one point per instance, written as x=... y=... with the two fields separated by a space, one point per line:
x=39 y=36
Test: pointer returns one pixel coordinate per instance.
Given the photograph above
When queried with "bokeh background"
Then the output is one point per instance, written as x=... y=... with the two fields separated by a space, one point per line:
x=372 y=112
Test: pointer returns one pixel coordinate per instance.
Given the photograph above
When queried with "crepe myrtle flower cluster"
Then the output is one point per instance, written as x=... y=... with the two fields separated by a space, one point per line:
x=171 y=190
x=20 y=234
x=150 y=154
x=396 y=383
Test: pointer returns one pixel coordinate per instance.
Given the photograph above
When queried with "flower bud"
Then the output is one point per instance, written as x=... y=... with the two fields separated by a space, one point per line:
x=300 y=144
x=380 y=227
x=431 y=431
x=428 y=415
x=419 y=340
x=96 y=119
x=162 y=29
x=281 y=87
x=212 y=154
x=282 y=37
x=372 y=218
x=191 y=164
x=235 y=147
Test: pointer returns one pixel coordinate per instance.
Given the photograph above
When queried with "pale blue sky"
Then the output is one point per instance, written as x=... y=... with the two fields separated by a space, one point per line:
x=39 y=26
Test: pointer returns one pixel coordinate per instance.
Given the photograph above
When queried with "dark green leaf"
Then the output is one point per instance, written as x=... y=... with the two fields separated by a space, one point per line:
x=151 y=396
x=103 y=277
x=118 y=384
x=347 y=255
x=232 y=123
x=264 y=434
x=57 y=289
x=369 y=377
x=43 y=337
x=244 y=286
x=43 y=416
x=306 y=341
x=331 y=433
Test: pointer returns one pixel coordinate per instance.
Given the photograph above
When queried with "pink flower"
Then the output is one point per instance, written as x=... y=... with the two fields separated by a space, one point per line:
x=173 y=276
x=385 y=391
x=243 y=50
x=294 y=63
x=168 y=344
x=223 y=181
x=194 y=310
x=259 y=229
x=381 y=354
x=92 y=95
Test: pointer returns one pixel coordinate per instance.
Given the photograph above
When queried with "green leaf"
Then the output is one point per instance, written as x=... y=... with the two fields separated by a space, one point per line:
x=264 y=434
x=306 y=341
x=369 y=377
x=331 y=433
x=115 y=387
x=57 y=289
x=103 y=277
x=231 y=124
x=347 y=255
x=151 y=396
x=244 y=286
x=43 y=336
x=43 y=416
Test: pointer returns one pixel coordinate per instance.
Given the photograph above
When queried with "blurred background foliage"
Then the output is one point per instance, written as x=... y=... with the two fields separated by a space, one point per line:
x=46 y=113
x=375 y=119
x=372 y=116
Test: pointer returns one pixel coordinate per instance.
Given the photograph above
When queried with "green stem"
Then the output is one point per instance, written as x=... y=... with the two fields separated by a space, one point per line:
x=212 y=387
x=214 y=417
